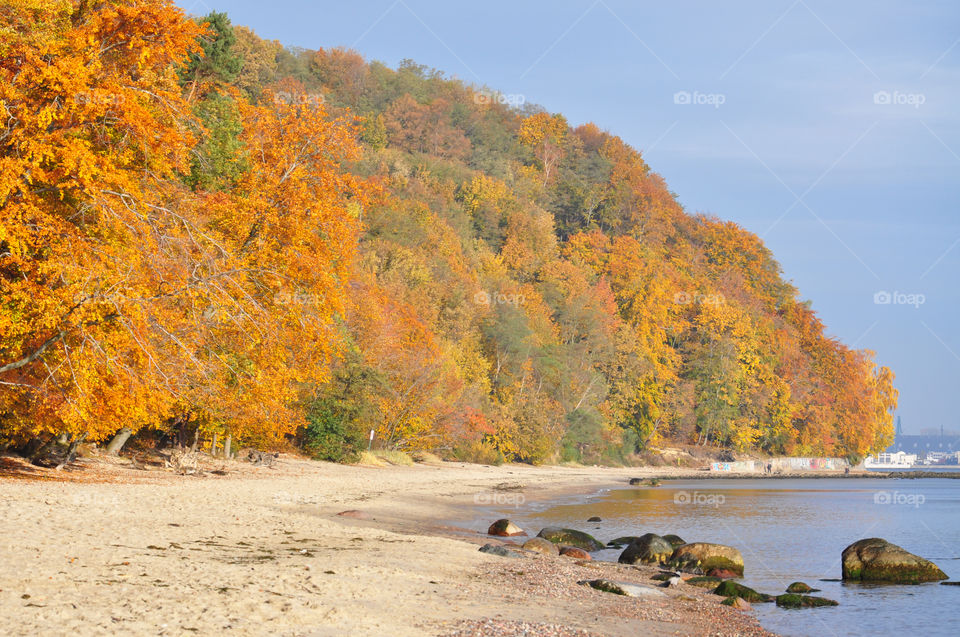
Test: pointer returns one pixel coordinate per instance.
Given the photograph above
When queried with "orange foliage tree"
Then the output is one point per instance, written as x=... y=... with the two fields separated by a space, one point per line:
x=126 y=298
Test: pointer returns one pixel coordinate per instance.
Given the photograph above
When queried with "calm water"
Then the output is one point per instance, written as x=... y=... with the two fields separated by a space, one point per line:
x=790 y=530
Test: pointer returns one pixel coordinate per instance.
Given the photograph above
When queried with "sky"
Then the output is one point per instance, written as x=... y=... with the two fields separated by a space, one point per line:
x=830 y=129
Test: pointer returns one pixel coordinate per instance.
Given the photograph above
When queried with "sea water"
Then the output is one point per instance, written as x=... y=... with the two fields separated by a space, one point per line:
x=794 y=530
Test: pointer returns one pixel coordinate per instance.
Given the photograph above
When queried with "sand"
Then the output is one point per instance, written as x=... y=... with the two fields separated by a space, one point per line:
x=108 y=549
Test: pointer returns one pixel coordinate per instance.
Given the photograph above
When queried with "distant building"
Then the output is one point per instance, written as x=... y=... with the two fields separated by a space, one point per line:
x=922 y=445
x=900 y=457
x=929 y=449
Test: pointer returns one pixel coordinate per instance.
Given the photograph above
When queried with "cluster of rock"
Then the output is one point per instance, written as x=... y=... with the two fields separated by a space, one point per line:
x=714 y=566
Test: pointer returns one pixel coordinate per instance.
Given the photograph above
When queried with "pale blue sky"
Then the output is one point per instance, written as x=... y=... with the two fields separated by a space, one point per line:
x=854 y=195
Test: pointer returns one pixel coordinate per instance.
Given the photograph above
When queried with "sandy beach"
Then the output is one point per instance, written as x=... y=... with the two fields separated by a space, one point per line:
x=107 y=549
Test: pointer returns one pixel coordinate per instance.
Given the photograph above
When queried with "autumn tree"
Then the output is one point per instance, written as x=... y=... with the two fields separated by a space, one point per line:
x=545 y=135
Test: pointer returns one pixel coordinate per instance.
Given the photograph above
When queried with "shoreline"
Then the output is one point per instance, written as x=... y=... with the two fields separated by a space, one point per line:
x=310 y=548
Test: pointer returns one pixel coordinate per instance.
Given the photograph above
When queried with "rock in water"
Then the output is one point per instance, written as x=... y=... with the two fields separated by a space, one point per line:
x=722 y=573
x=623 y=588
x=737 y=602
x=594 y=519
x=800 y=587
x=574 y=552
x=649 y=549
x=790 y=600
x=705 y=582
x=734 y=589
x=876 y=560
x=505 y=528
x=706 y=557
x=541 y=545
x=571 y=537
x=621 y=541
x=675 y=540
x=501 y=551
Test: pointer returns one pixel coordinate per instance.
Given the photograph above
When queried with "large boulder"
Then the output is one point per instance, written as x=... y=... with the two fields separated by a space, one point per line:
x=800 y=588
x=620 y=542
x=540 y=545
x=500 y=551
x=574 y=552
x=571 y=537
x=649 y=549
x=707 y=557
x=876 y=560
x=505 y=528
x=623 y=588
x=791 y=600
x=675 y=540
x=735 y=589
x=705 y=582
x=737 y=602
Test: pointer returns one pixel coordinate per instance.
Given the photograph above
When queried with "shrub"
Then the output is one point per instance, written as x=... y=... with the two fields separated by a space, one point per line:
x=329 y=435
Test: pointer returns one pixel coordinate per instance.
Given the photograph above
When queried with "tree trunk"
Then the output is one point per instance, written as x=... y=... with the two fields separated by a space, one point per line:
x=72 y=450
x=226 y=446
x=196 y=440
x=119 y=439
x=213 y=445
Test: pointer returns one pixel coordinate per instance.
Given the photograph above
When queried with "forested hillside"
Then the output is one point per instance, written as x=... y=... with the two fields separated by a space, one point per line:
x=204 y=232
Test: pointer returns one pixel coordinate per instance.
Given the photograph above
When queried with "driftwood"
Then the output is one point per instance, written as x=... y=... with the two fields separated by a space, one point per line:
x=184 y=462
x=262 y=458
x=57 y=451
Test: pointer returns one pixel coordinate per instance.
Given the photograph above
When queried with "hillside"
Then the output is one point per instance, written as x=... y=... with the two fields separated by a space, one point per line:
x=206 y=233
